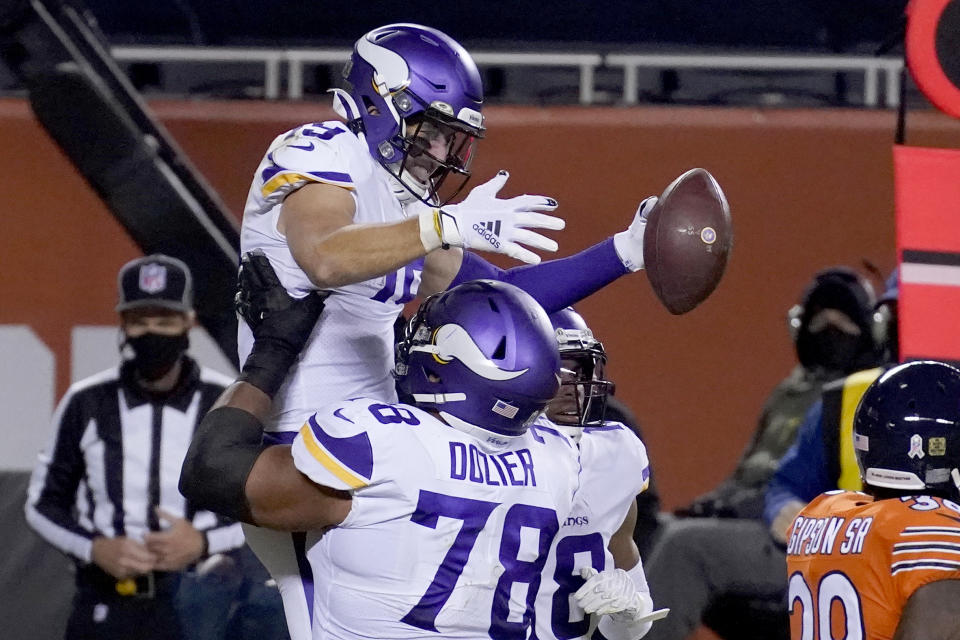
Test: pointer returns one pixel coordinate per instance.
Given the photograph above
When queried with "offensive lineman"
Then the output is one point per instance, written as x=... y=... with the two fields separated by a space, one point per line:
x=595 y=546
x=359 y=208
x=883 y=564
x=442 y=514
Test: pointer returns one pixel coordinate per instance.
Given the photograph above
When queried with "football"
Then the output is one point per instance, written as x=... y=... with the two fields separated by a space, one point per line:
x=687 y=241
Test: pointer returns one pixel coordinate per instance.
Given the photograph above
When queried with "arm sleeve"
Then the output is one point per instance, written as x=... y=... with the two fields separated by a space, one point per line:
x=51 y=496
x=581 y=274
x=802 y=474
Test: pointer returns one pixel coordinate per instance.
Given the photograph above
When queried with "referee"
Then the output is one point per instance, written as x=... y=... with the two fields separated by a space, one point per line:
x=105 y=492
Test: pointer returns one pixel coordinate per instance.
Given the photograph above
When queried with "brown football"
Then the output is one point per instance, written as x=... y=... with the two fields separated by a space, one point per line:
x=687 y=241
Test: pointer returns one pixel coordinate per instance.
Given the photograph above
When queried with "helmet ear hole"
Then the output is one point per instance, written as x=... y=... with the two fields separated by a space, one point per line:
x=370 y=107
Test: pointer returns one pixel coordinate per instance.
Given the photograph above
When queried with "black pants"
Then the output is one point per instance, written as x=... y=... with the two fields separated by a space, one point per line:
x=100 y=613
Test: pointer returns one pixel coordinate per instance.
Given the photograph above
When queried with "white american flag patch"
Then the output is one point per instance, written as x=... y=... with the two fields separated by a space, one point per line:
x=505 y=410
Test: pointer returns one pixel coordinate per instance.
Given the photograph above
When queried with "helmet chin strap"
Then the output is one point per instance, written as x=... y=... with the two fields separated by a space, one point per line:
x=488 y=440
x=407 y=190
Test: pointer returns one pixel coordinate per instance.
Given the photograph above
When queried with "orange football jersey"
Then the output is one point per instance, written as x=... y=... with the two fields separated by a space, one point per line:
x=853 y=562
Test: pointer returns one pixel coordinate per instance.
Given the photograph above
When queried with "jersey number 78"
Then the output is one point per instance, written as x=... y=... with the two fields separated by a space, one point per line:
x=474 y=514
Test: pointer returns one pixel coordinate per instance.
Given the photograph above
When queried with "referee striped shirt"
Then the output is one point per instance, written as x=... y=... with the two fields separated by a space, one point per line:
x=116 y=454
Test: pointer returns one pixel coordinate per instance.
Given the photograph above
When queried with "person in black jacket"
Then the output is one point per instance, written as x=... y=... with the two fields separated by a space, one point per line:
x=105 y=491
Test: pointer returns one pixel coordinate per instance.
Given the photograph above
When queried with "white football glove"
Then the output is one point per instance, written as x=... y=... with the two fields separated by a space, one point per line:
x=486 y=223
x=629 y=243
x=614 y=593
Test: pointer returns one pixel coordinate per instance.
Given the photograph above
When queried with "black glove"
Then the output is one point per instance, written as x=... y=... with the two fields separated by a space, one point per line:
x=281 y=324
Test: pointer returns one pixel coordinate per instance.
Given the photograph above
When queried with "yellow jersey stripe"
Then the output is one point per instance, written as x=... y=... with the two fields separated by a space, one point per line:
x=328 y=462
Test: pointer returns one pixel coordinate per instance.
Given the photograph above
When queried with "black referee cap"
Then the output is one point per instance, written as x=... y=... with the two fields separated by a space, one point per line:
x=155 y=281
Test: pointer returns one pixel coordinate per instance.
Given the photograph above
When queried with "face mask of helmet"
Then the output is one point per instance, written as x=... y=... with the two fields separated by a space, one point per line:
x=154 y=354
x=436 y=158
x=582 y=399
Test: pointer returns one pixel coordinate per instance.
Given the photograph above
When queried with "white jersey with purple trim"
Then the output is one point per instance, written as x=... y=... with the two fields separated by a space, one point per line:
x=446 y=536
x=613 y=470
x=350 y=353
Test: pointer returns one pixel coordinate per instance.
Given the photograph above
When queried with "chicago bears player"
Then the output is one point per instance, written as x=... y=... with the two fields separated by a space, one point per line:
x=439 y=516
x=884 y=564
x=360 y=207
x=594 y=566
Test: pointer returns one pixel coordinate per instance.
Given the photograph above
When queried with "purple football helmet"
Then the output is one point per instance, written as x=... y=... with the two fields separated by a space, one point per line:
x=482 y=352
x=583 y=393
x=408 y=85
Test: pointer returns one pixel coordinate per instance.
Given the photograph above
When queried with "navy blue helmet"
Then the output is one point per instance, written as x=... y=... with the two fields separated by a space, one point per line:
x=583 y=388
x=482 y=352
x=906 y=431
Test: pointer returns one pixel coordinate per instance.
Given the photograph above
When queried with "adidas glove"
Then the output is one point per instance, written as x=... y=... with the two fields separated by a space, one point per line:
x=487 y=223
x=629 y=243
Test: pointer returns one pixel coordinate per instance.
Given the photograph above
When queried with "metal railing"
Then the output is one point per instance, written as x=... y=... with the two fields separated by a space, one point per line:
x=274 y=61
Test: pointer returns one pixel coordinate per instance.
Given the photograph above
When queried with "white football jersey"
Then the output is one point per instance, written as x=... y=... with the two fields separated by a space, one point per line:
x=446 y=537
x=614 y=469
x=350 y=353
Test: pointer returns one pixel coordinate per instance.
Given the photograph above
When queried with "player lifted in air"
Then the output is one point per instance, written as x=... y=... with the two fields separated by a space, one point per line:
x=439 y=516
x=595 y=545
x=886 y=563
x=361 y=207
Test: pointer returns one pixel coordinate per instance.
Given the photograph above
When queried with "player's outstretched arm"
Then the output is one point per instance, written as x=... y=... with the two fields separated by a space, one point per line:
x=688 y=255
x=227 y=470
x=333 y=251
x=931 y=613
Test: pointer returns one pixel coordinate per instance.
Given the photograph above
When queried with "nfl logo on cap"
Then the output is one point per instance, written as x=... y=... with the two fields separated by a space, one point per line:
x=153 y=278
x=155 y=281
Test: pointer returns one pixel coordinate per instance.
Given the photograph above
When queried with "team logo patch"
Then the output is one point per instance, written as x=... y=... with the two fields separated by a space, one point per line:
x=937 y=446
x=708 y=235
x=153 y=278
x=504 y=409
x=916 y=446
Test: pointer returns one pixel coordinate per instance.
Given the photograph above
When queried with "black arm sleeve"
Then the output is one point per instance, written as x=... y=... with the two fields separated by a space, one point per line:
x=225 y=446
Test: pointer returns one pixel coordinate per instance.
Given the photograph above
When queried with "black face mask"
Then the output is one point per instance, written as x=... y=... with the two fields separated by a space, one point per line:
x=830 y=349
x=154 y=355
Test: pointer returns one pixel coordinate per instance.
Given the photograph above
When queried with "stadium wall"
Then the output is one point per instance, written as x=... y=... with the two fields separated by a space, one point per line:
x=807 y=189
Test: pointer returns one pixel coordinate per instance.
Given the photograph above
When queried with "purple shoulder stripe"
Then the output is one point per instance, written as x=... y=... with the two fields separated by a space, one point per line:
x=270 y=171
x=536 y=429
x=606 y=426
x=335 y=176
x=354 y=452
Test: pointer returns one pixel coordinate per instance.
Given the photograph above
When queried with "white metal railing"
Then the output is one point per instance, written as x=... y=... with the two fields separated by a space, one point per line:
x=870 y=66
x=273 y=61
